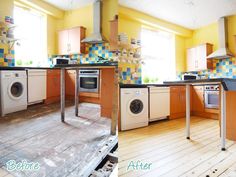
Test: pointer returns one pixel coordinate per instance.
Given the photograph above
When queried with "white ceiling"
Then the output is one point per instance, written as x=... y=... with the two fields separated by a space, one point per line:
x=69 y=4
x=191 y=14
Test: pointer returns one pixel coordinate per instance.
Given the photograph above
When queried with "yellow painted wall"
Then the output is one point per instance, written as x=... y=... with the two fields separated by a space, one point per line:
x=156 y=23
x=232 y=33
x=79 y=17
x=109 y=10
x=132 y=27
x=209 y=34
x=206 y=34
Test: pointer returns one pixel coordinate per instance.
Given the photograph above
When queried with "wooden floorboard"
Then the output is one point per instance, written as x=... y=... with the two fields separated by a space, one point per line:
x=37 y=135
x=164 y=145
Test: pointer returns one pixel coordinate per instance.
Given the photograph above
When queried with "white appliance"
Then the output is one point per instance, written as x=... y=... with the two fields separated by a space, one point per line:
x=37 y=85
x=134 y=108
x=13 y=91
x=159 y=103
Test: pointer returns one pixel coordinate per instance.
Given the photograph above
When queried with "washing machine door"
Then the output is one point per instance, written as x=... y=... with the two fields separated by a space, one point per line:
x=15 y=90
x=136 y=107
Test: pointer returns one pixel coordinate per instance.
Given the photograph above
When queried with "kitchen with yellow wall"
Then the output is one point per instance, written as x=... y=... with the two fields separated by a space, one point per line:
x=209 y=34
x=58 y=19
x=131 y=22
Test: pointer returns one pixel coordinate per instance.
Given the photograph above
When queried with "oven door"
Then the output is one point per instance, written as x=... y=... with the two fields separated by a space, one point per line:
x=89 y=83
x=211 y=99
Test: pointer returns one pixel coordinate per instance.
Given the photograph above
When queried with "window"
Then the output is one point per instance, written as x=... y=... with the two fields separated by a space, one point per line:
x=158 y=52
x=31 y=32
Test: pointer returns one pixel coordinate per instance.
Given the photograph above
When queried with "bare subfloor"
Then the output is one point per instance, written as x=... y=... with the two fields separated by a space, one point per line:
x=164 y=146
x=61 y=149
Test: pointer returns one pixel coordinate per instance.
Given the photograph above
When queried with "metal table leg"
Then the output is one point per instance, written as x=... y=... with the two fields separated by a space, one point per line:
x=63 y=95
x=223 y=119
x=76 y=93
x=188 y=111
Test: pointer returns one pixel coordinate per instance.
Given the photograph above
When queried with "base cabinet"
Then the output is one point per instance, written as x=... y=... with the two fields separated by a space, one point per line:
x=177 y=102
x=53 y=86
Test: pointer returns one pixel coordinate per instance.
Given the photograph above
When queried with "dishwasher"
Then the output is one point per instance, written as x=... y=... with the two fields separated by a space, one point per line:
x=159 y=103
x=37 y=85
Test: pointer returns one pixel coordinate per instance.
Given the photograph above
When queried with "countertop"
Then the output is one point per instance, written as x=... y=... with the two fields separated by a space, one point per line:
x=142 y=85
x=65 y=66
x=227 y=83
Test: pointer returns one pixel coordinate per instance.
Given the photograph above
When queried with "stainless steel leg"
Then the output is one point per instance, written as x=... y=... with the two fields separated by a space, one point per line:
x=63 y=95
x=188 y=111
x=76 y=93
x=223 y=119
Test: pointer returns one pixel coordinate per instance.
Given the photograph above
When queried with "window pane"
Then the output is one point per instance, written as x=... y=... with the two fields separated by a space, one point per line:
x=158 y=54
x=31 y=30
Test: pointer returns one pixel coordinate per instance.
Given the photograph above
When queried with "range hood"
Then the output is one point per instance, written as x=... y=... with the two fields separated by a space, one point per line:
x=223 y=51
x=96 y=37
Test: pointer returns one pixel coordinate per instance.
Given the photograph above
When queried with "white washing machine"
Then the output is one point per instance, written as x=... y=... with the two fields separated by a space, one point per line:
x=13 y=91
x=134 y=108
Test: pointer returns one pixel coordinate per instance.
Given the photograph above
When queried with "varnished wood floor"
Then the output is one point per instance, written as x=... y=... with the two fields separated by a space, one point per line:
x=164 y=145
x=61 y=149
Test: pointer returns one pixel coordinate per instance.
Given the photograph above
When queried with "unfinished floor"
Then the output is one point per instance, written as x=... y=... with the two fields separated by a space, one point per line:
x=61 y=149
x=164 y=145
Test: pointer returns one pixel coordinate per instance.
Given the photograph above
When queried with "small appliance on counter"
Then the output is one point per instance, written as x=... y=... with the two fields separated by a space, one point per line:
x=60 y=60
x=189 y=76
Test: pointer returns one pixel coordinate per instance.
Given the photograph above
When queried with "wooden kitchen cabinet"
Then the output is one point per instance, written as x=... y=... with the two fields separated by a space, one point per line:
x=177 y=101
x=198 y=105
x=113 y=35
x=198 y=99
x=69 y=41
x=53 y=86
x=196 y=57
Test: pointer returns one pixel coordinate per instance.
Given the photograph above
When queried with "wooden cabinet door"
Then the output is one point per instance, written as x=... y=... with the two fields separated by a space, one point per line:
x=177 y=101
x=174 y=100
x=75 y=36
x=63 y=42
x=69 y=41
x=70 y=82
x=53 y=84
x=197 y=57
x=182 y=100
x=113 y=35
x=198 y=99
x=191 y=59
x=201 y=57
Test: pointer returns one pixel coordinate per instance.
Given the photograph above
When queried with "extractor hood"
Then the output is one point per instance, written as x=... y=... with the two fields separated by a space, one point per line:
x=223 y=51
x=96 y=37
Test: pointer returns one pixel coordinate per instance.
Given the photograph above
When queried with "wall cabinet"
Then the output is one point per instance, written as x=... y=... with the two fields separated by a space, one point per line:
x=196 y=57
x=69 y=41
x=113 y=35
x=177 y=101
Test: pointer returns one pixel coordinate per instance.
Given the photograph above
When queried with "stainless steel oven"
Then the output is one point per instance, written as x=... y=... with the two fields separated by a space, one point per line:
x=89 y=81
x=211 y=96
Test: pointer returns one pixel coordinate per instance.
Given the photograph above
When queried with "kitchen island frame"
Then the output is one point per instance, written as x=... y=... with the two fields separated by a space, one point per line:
x=225 y=84
x=114 y=116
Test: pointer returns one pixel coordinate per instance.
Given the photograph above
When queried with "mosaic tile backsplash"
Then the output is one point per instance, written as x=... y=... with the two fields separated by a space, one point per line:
x=221 y=68
x=130 y=73
x=92 y=52
x=6 y=59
